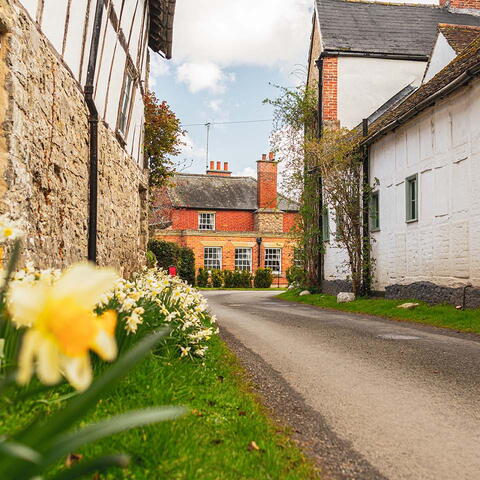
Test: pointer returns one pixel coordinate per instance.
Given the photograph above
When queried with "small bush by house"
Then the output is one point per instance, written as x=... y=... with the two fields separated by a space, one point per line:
x=263 y=278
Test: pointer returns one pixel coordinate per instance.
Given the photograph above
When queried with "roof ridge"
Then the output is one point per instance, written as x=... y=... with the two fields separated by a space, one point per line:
x=206 y=175
x=394 y=4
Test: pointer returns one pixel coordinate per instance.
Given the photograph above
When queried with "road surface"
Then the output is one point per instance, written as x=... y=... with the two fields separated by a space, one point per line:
x=389 y=399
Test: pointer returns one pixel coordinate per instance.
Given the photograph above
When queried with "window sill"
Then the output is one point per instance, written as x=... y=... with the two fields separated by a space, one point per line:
x=413 y=220
x=374 y=230
x=121 y=138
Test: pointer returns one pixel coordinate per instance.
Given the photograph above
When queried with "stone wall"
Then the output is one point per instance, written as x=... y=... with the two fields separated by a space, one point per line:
x=268 y=221
x=44 y=158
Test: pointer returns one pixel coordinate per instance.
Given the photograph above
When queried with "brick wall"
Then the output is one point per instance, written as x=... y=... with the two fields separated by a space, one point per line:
x=228 y=242
x=462 y=4
x=289 y=221
x=330 y=88
x=225 y=220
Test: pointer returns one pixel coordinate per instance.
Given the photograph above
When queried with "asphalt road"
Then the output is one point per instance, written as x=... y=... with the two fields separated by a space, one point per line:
x=401 y=400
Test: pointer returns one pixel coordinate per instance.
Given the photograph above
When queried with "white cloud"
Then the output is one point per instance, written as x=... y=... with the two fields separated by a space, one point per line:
x=214 y=35
x=203 y=76
x=246 y=32
x=190 y=150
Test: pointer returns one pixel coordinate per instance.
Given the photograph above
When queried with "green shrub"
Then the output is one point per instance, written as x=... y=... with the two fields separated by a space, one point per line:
x=245 y=279
x=217 y=278
x=229 y=279
x=186 y=265
x=263 y=278
x=296 y=276
x=170 y=254
x=151 y=259
x=202 y=278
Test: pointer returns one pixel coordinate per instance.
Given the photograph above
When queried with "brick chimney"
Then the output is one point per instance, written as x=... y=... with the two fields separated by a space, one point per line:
x=461 y=5
x=267 y=182
x=219 y=171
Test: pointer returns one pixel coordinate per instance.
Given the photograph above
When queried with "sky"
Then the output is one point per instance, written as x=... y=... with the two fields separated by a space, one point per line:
x=227 y=57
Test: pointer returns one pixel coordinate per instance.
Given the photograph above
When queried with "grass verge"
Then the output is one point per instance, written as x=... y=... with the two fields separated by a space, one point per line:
x=245 y=289
x=212 y=442
x=444 y=316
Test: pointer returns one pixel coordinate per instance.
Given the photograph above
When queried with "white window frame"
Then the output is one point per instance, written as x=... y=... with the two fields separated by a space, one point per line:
x=203 y=224
x=210 y=255
x=243 y=262
x=271 y=255
x=125 y=103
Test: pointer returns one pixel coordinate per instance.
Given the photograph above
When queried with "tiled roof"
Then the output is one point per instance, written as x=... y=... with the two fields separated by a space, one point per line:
x=459 y=71
x=459 y=36
x=161 y=26
x=381 y=28
x=219 y=193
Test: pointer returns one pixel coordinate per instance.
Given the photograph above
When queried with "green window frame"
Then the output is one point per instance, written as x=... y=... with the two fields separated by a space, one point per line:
x=325 y=226
x=374 y=211
x=411 y=196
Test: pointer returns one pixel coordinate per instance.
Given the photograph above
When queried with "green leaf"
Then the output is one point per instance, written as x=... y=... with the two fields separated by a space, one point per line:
x=40 y=432
x=98 y=465
x=18 y=450
x=70 y=442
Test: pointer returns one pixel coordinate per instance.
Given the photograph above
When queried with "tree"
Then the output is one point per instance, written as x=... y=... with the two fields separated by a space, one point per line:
x=162 y=139
x=321 y=170
x=295 y=124
x=338 y=160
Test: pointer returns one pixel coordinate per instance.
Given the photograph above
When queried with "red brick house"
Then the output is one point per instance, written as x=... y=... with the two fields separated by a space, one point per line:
x=229 y=222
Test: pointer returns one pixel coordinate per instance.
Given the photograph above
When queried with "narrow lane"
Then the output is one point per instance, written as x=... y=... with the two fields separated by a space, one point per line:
x=405 y=397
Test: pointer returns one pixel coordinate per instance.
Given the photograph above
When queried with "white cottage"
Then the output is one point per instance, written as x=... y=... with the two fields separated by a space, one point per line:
x=72 y=78
x=425 y=213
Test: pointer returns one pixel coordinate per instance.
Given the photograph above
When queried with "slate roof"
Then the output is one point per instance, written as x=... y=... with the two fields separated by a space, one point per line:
x=161 y=26
x=467 y=64
x=219 y=193
x=380 y=28
x=459 y=36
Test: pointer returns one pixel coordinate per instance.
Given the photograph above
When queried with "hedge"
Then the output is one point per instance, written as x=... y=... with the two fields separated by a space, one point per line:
x=170 y=254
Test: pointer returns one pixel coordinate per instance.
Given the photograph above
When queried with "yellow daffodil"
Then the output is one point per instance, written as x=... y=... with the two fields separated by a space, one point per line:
x=63 y=326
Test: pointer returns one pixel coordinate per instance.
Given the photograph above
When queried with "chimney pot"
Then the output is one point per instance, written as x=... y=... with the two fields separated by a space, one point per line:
x=225 y=166
x=264 y=157
x=271 y=156
x=219 y=165
x=212 y=165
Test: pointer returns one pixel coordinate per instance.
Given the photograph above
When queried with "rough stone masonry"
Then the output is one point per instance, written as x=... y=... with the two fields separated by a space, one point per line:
x=44 y=158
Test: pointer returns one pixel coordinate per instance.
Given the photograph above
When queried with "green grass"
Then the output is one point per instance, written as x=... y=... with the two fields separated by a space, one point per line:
x=245 y=289
x=211 y=442
x=445 y=316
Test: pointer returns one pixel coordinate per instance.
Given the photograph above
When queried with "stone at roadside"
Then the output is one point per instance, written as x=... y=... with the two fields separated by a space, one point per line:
x=305 y=292
x=291 y=287
x=409 y=306
x=345 y=297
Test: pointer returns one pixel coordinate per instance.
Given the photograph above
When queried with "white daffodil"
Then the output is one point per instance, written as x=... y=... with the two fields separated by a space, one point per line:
x=63 y=326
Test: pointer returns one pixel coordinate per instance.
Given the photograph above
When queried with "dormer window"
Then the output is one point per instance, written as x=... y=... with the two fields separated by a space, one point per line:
x=206 y=221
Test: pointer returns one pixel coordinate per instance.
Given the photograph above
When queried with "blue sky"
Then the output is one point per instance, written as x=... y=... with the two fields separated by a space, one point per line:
x=227 y=53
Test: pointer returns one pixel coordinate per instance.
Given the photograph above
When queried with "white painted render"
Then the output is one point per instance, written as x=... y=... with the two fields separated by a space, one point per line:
x=66 y=29
x=31 y=7
x=75 y=33
x=442 y=55
x=365 y=84
x=442 y=146
x=53 y=22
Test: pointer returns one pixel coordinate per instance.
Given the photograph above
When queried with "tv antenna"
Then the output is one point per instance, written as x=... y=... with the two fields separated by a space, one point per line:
x=207 y=125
